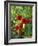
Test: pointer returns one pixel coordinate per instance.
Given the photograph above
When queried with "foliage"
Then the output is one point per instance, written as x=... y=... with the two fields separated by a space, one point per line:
x=25 y=12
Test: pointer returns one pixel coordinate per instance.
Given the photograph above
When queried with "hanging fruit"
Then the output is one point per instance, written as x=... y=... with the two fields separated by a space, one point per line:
x=20 y=26
x=29 y=20
x=18 y=17
x=24 y=21
x=17 y=27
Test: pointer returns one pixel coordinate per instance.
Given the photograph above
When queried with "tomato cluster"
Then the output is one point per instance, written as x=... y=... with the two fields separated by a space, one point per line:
x=22 y=21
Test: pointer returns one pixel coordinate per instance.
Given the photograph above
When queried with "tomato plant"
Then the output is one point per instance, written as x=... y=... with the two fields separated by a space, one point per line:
x=21 y=21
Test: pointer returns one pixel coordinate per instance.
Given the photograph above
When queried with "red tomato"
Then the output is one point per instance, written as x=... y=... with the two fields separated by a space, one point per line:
x=17 y=27
x=23 y=20
x=20 y=26
x=18 y=17
x=28 y=20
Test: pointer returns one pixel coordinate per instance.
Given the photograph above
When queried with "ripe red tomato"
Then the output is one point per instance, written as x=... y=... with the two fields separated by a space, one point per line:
x=28 y=20
x=20 y=26
x=17 y=27
x=18 y=17
x=23 y=20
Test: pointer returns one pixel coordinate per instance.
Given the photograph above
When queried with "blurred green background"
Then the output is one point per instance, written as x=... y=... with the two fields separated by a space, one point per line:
x=24 y=11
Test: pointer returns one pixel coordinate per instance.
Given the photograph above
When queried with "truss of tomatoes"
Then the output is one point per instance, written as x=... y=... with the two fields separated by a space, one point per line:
x=21 y=22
